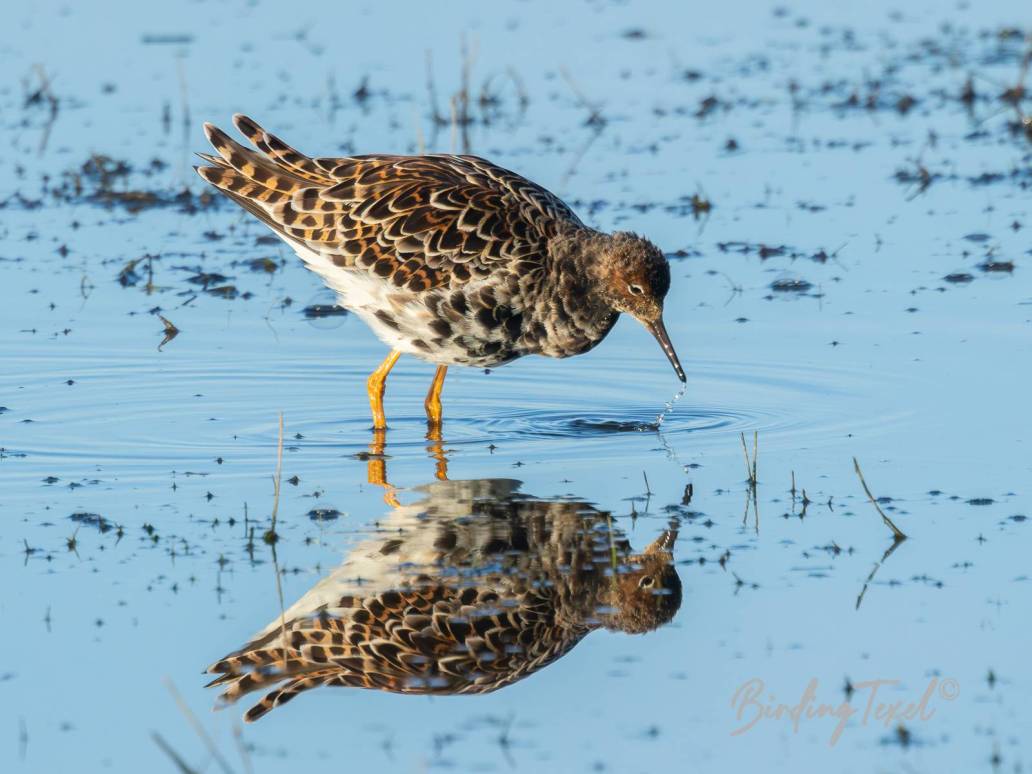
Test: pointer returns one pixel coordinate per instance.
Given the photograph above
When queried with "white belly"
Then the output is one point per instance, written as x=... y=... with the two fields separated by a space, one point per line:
x=365 y=294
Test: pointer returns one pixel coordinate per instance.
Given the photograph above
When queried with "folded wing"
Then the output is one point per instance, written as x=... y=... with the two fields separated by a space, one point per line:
x=418 y=222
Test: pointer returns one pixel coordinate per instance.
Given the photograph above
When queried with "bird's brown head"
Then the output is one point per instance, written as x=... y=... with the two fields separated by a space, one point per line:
x=634 y=277
x=649 y=595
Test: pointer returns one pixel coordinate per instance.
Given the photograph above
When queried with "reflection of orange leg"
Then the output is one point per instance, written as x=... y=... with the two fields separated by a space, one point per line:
x=375 y=386
x=437 y=452
x=433 y=398
x=376 y=469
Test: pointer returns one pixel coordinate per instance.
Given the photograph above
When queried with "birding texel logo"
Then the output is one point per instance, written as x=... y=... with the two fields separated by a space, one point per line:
x=752 y=704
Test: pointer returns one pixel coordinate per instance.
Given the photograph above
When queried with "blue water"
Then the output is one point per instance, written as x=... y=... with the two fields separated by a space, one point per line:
x=924 y=380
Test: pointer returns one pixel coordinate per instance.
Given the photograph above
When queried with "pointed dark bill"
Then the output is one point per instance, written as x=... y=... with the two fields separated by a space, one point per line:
x=664 y=543
x=658 y=330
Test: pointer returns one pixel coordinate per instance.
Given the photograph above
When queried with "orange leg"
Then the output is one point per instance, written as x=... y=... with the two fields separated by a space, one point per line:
x=433 y=398
x=375 y=386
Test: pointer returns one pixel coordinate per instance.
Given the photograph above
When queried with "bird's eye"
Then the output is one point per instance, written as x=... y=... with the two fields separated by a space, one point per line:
x=636 y=290
x=647 y=582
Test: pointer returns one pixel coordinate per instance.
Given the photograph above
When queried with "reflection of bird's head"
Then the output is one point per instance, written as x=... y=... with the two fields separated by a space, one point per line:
x=649 y=595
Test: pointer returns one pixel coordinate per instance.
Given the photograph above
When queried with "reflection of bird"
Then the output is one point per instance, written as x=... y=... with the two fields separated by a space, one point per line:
x=448 y=258
x=465 y=591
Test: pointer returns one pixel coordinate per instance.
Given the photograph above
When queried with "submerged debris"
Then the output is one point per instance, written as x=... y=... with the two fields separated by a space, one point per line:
x=316 y=311
x=791 y=286
x=171 y=331
x=991 y=265
x=92 y=520
x=324 y=514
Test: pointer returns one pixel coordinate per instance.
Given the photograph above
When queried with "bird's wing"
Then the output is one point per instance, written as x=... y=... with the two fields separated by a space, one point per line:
x=419 y=222
x=446 y=527
x=433 y=639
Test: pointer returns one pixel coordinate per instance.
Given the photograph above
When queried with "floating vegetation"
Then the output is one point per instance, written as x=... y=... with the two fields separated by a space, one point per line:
x=316 y=311
x=791 y=285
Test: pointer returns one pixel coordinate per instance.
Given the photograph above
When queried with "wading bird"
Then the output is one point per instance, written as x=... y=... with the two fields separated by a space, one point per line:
x=448 y=258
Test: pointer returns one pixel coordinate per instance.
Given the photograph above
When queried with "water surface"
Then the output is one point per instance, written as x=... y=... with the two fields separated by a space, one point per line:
x=857 y=289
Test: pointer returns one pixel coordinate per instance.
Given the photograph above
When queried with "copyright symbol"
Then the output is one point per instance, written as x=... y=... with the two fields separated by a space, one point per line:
x=948 y=689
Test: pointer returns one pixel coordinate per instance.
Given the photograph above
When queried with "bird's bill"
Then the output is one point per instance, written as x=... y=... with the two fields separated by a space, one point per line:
x=658 y=329
x=664 y=543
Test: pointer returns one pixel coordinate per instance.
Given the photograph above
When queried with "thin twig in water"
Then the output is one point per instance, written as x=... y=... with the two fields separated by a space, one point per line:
x=595 y=117
x=282 y=607
x=469 y=56
x=521 y=90
x=750 y=497
x=505 y=742
x=245 y=755
x=44 y=94
x=897 y=533
x=184 y=99
x=595 y=120
x=745 y=453
x=176 y=758
x=187 y=123
x=886 y=555
x=750 y=472
x=755 y=455
x=579 y=155
x=736 y=289
x=750 y=465
x=171 y=331
x=420 y=140
x=454 y=125
x=432 y=90
x=805 y=503
x=197 y=727
x=271 y=537
x=648 y=495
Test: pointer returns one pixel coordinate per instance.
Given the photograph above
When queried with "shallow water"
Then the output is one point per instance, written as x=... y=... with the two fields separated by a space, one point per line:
x=133 y=476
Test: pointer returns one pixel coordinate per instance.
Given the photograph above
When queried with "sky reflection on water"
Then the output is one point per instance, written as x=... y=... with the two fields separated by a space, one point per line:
x=835 y=299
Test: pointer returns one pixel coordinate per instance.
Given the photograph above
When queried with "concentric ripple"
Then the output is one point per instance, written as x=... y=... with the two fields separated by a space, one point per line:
x=140 y=415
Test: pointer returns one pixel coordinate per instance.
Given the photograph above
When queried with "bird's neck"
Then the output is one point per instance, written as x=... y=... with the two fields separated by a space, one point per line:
x=575 y=285
x=575 y=251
